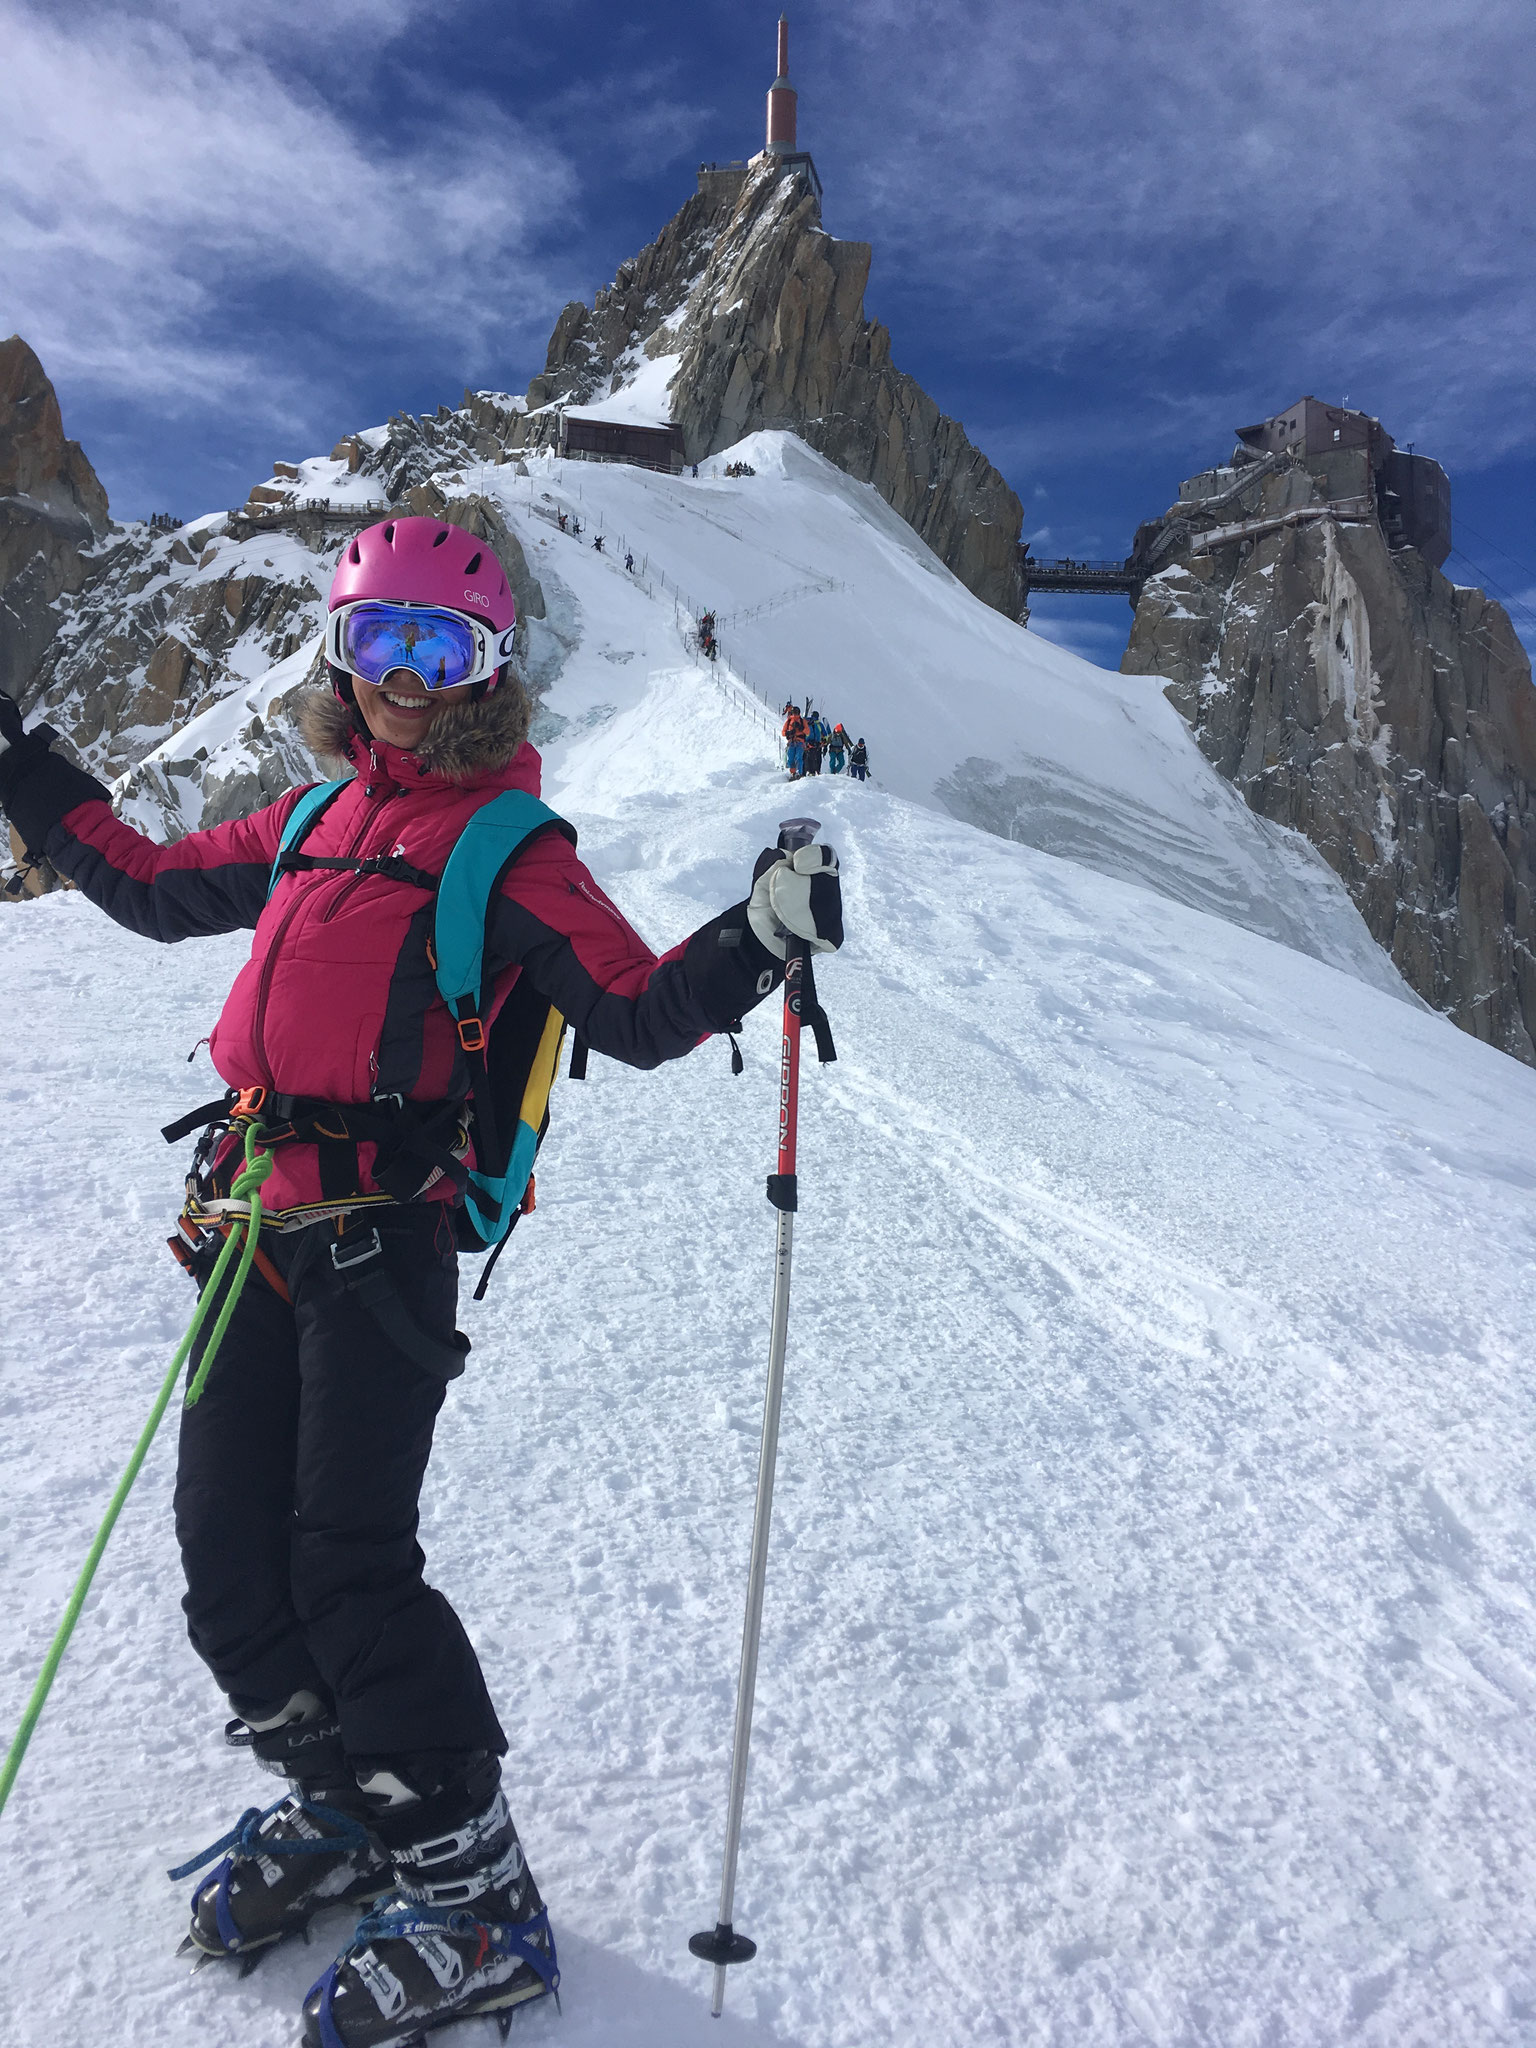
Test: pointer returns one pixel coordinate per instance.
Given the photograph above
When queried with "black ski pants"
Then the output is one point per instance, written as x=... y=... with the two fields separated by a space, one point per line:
x=297 y=1486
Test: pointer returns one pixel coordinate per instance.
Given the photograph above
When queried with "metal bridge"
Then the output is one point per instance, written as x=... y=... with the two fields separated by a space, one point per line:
x=1121 y=578
x=1118 y=579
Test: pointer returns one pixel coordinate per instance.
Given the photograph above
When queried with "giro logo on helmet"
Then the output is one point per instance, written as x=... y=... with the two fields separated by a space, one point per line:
x=477 y=597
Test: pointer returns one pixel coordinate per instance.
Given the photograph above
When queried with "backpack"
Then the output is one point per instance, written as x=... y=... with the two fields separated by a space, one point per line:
x=512 y=1068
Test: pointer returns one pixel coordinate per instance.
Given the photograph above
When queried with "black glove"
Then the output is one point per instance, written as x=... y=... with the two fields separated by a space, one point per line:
x=18 y=747
x=36 y=786
x=11 y=727
x=797 y=895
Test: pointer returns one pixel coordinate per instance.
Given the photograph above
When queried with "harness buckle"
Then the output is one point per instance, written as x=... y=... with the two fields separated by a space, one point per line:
x=185 y=1248
x=345 y=1256
x=471 y=1034
x=249 y=1102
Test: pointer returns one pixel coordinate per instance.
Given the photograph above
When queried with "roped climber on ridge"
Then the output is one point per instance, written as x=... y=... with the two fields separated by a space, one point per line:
x=300 y=1467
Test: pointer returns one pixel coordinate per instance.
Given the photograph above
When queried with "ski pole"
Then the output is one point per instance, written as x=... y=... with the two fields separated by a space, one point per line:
x=722 y=1945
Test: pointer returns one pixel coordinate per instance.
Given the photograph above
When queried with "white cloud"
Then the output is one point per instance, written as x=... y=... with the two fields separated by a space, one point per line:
x=1328 y=191
x=165 y=168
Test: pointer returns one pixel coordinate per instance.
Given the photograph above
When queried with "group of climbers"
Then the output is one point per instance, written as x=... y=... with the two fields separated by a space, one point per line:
x=808 y=740
x=569 y=523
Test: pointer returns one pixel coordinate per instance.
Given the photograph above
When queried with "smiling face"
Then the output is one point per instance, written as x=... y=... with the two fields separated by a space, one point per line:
x=400 y=710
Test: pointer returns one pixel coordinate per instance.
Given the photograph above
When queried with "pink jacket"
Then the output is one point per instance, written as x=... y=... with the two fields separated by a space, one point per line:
x=338 y=999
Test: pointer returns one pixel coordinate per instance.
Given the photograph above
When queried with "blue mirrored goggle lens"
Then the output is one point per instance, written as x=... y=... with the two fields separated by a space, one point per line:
x=435 y=646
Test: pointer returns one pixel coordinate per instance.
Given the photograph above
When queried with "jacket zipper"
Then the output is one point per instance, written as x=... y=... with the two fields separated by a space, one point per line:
x=269 y=964
x=264 y=989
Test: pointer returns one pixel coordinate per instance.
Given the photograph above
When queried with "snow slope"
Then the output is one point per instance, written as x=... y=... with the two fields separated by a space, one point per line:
x=820 y=589
x=1149 y=1648
x=643 y=401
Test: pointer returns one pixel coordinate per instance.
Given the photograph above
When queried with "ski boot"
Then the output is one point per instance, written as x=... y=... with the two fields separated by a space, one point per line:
x=311 y=1850
x=464 y=1934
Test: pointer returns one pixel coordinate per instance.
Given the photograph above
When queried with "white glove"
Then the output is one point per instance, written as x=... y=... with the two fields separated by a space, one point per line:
x=797 y=896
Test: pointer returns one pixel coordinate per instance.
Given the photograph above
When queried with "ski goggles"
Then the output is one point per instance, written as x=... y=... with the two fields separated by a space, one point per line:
x=442 y=649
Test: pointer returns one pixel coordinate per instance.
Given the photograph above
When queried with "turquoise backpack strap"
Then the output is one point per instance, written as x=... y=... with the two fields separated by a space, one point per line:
x=495 y=835
x=300 y=818
x=466 y=898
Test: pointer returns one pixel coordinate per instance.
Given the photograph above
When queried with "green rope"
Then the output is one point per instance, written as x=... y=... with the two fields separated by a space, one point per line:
x=242 y=1237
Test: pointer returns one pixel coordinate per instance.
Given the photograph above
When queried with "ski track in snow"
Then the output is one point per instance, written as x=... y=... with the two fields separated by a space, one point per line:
x=1149 y=1651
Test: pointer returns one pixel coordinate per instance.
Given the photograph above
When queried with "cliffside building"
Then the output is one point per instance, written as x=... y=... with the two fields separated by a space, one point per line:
x=622 y=441
x=1413 y=494
x=1356 y=472
x=1310 y=428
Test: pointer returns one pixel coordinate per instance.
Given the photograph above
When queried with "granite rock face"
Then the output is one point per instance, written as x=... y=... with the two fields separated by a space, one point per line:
x=763 y=312
x=1354 y=693
x=53 y=511
x=165 y=625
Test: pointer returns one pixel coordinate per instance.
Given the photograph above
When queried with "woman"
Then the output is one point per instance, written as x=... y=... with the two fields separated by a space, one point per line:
x=300 y=1466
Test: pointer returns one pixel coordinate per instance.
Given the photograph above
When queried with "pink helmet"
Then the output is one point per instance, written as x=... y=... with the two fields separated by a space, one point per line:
x=425 y=561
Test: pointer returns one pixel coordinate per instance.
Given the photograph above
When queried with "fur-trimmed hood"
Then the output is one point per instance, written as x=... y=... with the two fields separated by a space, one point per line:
x=463 y=742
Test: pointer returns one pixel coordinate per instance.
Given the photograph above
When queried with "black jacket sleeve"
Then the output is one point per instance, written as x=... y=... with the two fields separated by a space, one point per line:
x=554 y=923
x=211 y=881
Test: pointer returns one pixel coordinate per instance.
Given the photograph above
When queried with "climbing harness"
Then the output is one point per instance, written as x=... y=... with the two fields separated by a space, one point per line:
x=241 y=1240
x=416 y=1144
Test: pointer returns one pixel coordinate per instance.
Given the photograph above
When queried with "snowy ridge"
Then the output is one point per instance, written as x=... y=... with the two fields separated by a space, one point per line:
x=1149 y=1650
x=820 y=588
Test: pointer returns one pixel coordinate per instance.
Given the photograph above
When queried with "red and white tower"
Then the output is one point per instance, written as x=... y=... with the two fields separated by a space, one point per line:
x=781 y=101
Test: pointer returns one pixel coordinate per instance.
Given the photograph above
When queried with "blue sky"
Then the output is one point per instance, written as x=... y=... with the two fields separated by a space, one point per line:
x=1104 y=234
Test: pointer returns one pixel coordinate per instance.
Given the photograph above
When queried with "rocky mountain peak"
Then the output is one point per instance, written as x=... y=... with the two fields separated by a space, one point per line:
x=37 y=464
x=746 y=313
x=53 y=511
